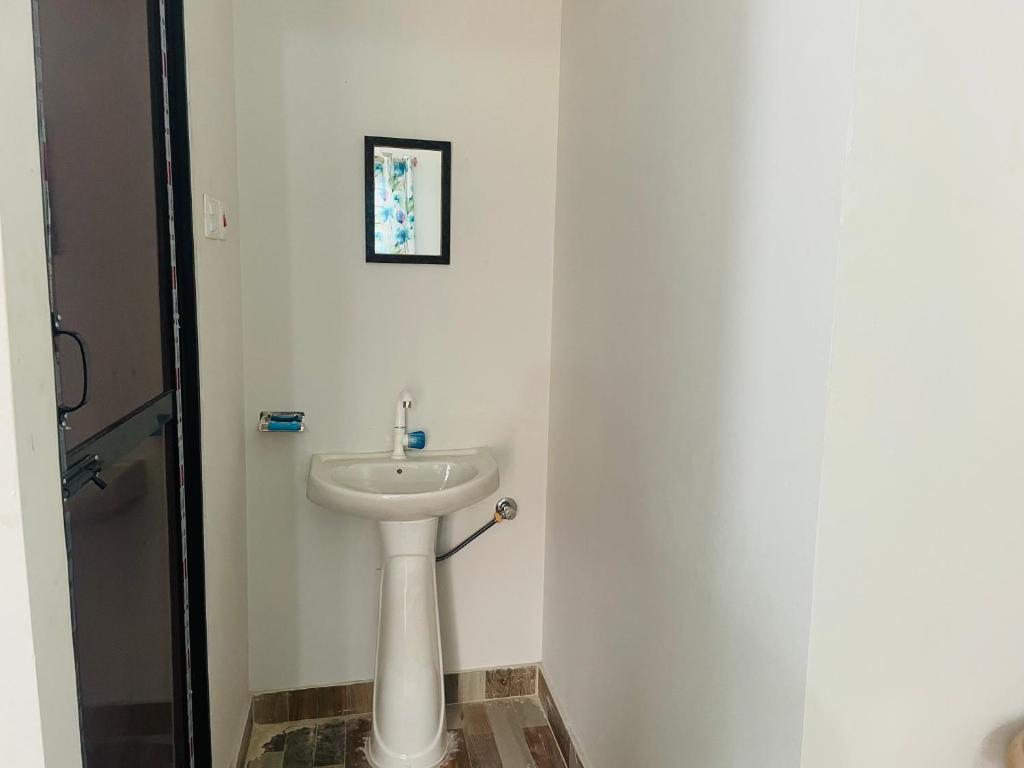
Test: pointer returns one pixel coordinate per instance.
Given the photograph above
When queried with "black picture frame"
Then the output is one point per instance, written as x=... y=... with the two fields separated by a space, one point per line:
x=445 y=148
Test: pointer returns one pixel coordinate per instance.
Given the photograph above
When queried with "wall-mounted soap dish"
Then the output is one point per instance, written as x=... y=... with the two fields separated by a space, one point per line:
x=282 y=421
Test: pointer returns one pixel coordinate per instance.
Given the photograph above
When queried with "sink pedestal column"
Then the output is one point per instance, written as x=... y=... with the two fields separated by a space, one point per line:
x=408 y=695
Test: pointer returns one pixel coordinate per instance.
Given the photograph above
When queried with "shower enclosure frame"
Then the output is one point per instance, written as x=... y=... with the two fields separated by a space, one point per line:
x=81 y=464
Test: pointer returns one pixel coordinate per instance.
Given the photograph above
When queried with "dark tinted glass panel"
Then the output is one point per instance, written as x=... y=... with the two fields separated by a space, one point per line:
x=121 y=549
x=104 y=186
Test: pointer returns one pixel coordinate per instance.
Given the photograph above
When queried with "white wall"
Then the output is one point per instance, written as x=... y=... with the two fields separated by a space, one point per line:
x=918 y=633
x=209 y=32
x=39 y=706
x=338 y=338
x=692 y=310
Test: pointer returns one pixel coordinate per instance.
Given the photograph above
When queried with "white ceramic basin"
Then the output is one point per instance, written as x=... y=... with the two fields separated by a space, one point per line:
x=424 y=485
x=406 y=497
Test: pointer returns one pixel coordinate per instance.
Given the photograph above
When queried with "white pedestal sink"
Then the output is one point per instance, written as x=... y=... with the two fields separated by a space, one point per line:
x=406 y=497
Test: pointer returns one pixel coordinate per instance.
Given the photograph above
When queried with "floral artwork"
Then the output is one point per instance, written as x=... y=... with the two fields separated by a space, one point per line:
x=394 y=205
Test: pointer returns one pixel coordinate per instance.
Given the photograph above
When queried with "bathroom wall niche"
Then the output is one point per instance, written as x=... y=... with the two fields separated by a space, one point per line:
x=408 y=200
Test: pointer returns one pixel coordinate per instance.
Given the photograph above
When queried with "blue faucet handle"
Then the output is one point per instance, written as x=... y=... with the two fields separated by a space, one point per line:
x=417 y=439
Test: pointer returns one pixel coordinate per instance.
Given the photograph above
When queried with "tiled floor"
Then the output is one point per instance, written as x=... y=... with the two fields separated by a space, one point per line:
x=502 y=733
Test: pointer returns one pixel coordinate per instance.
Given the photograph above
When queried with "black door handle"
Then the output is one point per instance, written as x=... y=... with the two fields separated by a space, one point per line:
x=63 y=410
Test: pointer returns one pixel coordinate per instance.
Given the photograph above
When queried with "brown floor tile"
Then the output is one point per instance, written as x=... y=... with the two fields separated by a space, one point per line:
x=460 y=687
x=270 y=708
x=459 y=756
x=358 y=699
x=356 y=735
x=483 y=752
x=269 y=760
x=499 y=733
x=472 y=686
x=298 y=748
x=543 y=749
x=544 y=694
x=453 y=717
x=451 y=689
x=274 y=743
x=330 y=701
x=246 y=740
x=302 y=704
x=508 y=734
x=474 y=719
x=554 y=718
x=329 y=745
x=529 y=712
x=512 y=681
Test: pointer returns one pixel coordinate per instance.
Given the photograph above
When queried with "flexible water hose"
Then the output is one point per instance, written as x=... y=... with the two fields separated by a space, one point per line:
x=505 y=509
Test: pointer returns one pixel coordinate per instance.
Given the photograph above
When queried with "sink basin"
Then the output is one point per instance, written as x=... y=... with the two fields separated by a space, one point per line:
x=424 y=485
x=406 y=497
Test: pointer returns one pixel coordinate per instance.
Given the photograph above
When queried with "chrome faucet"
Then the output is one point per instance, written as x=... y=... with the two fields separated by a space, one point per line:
x=402 y=437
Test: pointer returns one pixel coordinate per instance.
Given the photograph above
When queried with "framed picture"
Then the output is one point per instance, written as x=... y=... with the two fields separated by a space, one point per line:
x=408 y=200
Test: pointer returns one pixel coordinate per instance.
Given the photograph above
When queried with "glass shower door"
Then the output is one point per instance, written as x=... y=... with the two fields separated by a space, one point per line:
x=101 y=98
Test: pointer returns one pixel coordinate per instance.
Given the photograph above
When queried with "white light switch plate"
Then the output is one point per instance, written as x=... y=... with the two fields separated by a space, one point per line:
x=214 y=219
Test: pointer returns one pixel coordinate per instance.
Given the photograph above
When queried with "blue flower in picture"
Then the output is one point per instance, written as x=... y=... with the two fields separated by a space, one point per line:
x=393 y=204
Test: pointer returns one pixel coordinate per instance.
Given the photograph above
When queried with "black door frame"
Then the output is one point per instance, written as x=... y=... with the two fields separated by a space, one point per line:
x=192 y=737
x=181 y=183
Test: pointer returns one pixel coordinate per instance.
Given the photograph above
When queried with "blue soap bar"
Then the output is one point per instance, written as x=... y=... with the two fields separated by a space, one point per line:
x=284 y=426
